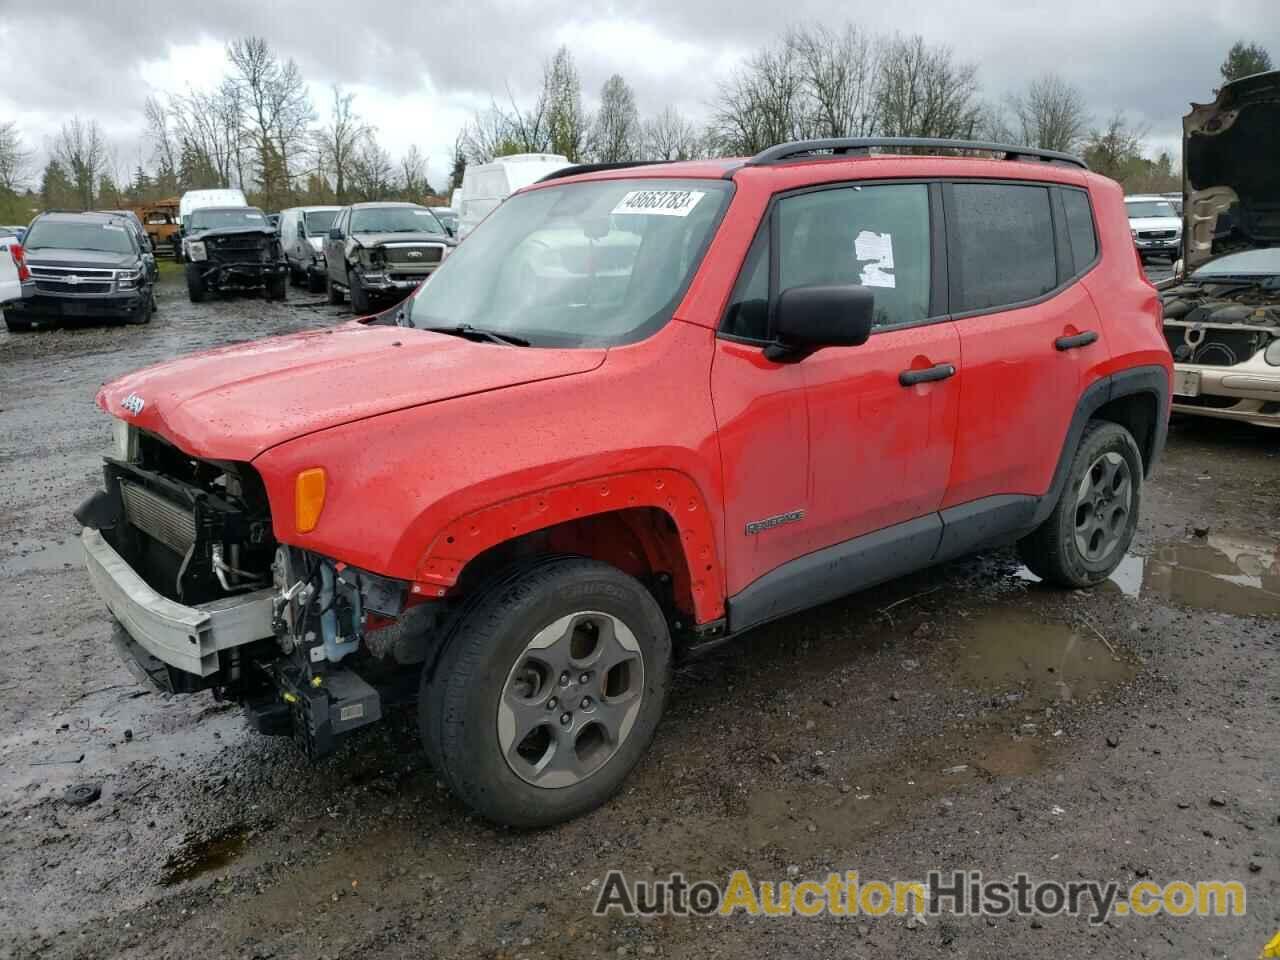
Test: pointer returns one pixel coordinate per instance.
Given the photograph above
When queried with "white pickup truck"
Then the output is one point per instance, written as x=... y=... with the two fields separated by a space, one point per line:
x=15 y=278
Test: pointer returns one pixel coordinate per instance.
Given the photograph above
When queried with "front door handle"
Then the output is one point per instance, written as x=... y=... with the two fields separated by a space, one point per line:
x=1079 y=340
x=939 y=371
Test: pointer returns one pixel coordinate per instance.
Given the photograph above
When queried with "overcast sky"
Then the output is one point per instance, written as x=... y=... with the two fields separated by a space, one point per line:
x=420 y=69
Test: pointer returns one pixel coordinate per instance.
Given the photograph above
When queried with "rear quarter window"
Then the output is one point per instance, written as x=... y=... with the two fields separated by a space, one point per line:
x=1080 y=230
x=1001 y=245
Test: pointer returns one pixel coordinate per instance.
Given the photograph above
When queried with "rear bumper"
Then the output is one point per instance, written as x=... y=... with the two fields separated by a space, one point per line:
x=186 y=638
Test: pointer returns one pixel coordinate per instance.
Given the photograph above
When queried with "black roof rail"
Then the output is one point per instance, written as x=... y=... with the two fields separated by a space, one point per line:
x=577 y=168
x=862 y=146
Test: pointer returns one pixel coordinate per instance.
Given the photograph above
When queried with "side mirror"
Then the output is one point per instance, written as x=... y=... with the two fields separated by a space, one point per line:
x=812 y=317
x=335 y=234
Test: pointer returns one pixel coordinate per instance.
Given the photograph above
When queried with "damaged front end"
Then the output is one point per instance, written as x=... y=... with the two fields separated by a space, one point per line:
x=182 y=552
x=1222 y=314
x=394 y=266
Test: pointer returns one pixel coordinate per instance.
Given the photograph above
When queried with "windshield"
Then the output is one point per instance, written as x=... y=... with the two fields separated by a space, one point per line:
x=319 y=221
x=583 y=264
x=1141 y=209
x=394 y=220
x=447 y=217
x=55 y=235
x=222 y=219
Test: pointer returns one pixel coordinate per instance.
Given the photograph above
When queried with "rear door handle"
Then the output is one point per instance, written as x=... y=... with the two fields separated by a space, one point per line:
x=939 y=371
x=1079 y=340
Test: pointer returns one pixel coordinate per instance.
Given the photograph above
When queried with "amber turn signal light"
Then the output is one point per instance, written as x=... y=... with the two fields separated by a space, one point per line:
x=308 y=499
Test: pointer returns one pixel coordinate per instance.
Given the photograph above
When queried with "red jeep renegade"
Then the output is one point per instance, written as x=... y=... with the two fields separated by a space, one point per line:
x=639 y=408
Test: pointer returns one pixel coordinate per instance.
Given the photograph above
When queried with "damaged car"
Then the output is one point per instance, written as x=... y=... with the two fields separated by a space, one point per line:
x=377 y=253
x=1222 y=313
x=233 y=249
x=639 y=411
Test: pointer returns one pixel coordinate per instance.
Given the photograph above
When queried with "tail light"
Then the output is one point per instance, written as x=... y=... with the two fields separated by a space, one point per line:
x=20 y=261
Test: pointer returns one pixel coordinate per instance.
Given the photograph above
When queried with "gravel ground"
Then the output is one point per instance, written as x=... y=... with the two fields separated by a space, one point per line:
x=962 y=718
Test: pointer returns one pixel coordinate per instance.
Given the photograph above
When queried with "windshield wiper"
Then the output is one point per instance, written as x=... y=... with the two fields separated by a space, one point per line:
x=479 y=333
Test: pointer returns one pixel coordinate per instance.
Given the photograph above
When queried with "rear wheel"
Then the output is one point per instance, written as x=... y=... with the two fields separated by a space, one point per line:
x=1090 y=529
x=359 y=296
x=548 y=692
x=196 y=288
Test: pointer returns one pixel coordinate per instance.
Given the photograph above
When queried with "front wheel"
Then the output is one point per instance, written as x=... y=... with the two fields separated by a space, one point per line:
x=548 y=692
x=196 y=289
x=334 y=294
x=276 y=288
x=1090 y=529
x=15 y=324
x=359 y=295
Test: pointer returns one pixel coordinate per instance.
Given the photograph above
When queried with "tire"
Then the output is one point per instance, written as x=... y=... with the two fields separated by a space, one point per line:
x=142 y=315
x=196 y=288
x=359 y=296
x=295 y=276
x=460 y=704
x=1084 y=539
x=16 y=325
x=335 y=295
x=315 y=282
x=277 y=288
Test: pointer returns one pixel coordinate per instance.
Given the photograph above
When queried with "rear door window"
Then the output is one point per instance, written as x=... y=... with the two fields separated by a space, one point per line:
x=1001 y=243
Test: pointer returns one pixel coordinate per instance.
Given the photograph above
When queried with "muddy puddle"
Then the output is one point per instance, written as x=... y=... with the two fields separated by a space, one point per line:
x=1007 y=652
x=1226 y=573
x=36 y=556
x=198 y=857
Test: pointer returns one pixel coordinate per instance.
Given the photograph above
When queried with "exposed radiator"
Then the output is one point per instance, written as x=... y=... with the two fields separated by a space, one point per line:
x=159 y=518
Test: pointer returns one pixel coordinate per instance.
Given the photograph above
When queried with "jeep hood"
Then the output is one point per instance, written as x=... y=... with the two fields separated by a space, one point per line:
x=1231 y=190
x=235 y=402
x=264 y=231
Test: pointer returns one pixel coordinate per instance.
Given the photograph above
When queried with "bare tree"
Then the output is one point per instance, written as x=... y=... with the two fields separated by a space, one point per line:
x=81 y=151
x=1116 y=150
x=763 y=104
x=617 y=126
x=372 y=172
x=925 y=92
x=489 y=135
x=277 y=109
x=207 y=130
x=840 y=75
x=669 y=136
x=413 y=174
x=458 y=165
x=1051 y=114
x=567 y=122
x=529 y=129
x=338 y=143
x=15 y=158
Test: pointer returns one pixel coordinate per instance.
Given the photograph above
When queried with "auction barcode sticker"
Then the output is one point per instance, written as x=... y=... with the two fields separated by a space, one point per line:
x=660 y=203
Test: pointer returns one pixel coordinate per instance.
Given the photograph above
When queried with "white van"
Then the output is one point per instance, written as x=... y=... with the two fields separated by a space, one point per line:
x=486 y=185
x=200 y=199
x=302 y=234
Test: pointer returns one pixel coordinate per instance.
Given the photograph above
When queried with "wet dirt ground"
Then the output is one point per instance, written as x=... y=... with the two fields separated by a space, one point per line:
x=962 y=718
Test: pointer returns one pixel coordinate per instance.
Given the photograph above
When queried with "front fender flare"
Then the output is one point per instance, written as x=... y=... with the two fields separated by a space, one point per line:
x=670 y=491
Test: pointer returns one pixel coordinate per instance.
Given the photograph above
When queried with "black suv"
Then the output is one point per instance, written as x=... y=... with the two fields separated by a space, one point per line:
x=85 y=266
x=234 y=248
x=380 y=252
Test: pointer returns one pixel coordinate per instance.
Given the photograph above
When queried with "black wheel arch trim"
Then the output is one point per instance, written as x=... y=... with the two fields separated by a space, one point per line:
x=1152 y=380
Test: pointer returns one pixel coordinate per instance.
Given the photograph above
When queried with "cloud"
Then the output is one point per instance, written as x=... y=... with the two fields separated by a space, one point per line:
x=420 y=70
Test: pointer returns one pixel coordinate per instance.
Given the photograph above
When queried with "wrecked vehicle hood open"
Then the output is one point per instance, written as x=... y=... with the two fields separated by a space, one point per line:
x=1231 y=185
x=236 y=402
